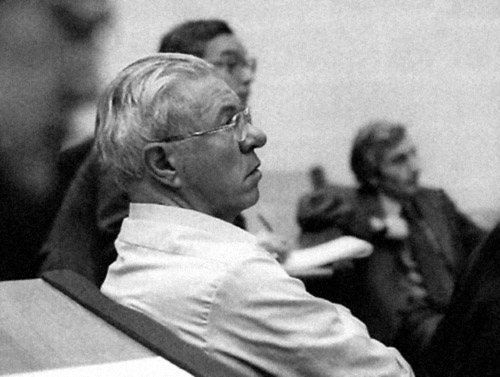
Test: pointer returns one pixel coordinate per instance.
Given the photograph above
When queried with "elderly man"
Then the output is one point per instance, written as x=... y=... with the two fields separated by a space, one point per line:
x=421 y=240
x=91 y=214
x=182 y=144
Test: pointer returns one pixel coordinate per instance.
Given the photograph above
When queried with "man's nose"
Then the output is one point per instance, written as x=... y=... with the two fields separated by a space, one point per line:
x=255 y=138
x=414 y=163
x=247 y=74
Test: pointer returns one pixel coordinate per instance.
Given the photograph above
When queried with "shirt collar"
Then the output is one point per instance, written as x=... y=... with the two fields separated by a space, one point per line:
x=391 y=207
x=189 y=218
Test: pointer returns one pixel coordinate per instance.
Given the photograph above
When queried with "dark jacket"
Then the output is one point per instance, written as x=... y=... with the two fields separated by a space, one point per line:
x=467 y=341
x=88 y=221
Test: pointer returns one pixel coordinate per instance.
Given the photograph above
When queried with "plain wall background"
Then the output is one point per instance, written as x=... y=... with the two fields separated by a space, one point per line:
x=327 y=66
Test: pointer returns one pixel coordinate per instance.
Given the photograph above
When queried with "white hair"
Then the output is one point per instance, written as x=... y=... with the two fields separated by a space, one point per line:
x=143 y=104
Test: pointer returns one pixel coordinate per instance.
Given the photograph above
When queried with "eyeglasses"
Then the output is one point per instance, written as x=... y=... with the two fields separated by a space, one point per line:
x=240 y=122
x=235 y=64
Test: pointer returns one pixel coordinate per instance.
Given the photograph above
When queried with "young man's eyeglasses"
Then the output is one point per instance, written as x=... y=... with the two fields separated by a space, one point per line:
x=233 y=64
x=239 y=122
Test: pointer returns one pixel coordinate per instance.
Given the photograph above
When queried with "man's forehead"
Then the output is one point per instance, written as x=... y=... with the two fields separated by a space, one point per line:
x=210 y=95
x=405 y=146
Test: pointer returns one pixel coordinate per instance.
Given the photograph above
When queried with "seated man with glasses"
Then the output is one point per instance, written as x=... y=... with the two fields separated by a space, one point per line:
x=90 y=216
x=182 y=145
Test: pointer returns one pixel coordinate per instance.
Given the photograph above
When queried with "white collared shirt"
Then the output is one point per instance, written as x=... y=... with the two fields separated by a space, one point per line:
x=210 y=283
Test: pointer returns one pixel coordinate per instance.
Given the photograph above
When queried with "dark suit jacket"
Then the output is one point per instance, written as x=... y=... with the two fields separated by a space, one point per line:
x=88 y=221
x=467 y=342
x=374 y=289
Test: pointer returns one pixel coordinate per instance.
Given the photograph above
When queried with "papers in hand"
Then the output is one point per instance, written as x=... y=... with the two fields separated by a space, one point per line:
x=343 y=248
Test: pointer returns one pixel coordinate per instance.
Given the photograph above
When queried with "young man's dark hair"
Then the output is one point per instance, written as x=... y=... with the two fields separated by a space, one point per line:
x=191 y=37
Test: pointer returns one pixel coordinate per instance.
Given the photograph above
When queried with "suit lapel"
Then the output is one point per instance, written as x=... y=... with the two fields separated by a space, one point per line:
x=370 y=204
x=437 y=222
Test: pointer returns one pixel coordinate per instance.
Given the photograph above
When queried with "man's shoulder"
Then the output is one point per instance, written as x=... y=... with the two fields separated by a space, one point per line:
x=72 y=157
x=70 y=162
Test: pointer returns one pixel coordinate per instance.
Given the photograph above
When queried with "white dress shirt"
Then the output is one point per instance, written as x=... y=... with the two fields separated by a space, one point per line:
x=210 y=283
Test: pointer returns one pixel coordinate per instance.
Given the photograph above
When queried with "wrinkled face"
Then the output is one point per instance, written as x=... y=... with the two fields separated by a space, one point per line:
x=230 y=59
x=219 y=174
x=400 y=170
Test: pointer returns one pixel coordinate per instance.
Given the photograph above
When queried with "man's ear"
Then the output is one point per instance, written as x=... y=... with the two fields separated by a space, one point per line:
x=161 y=163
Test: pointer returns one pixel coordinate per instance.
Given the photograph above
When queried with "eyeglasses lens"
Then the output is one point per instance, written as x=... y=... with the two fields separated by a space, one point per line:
x=244 y=119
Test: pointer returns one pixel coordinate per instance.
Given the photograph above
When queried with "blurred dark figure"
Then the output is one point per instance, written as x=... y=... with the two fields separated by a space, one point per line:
x=318 y=178
x=421 y=240
x=467 y=341
x=94 y=207
x=46 y=69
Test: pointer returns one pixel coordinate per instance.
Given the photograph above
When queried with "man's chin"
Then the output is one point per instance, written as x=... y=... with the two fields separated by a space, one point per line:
x=248 y=197
x=244 y=97
x=253 y=198
x=402 y=193
x=411 y=190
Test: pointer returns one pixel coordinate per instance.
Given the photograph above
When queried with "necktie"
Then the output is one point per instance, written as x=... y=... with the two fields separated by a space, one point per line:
x=427 y=252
